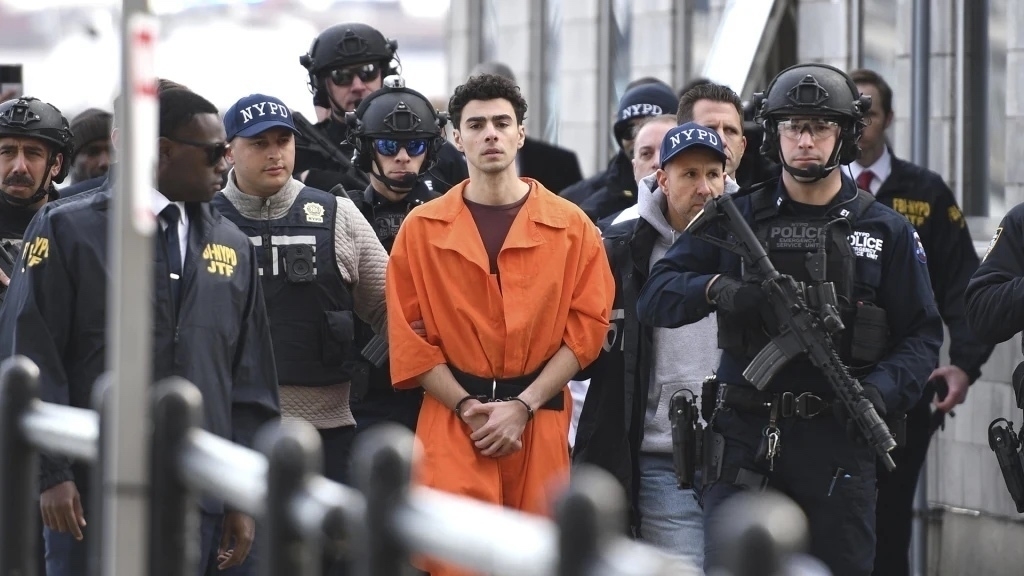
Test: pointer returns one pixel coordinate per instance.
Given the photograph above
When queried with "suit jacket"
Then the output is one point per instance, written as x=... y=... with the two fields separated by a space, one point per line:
x=554 y=167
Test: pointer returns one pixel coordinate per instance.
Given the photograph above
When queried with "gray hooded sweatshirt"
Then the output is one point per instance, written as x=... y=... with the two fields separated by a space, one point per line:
x=683 y=356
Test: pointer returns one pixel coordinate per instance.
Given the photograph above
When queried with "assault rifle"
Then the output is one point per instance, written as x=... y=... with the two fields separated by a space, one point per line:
x=801 y=329
x=329 y=150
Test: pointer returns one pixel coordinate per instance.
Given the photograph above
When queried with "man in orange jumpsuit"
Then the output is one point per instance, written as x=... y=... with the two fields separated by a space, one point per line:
x=512 y=286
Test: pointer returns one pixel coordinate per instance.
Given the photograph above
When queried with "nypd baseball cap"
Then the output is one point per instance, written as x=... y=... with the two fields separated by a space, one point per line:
x=643 y=101
x=255 y=114
x=687 y=136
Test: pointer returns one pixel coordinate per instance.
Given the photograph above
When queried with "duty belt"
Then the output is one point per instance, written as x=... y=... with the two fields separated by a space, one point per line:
x=749 y=399
x=493 y=389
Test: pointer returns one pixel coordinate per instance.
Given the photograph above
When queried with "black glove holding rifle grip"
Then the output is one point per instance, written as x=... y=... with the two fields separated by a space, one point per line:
x=735 y=296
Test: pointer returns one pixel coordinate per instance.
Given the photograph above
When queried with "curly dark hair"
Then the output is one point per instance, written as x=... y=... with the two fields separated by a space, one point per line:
x=486 y=87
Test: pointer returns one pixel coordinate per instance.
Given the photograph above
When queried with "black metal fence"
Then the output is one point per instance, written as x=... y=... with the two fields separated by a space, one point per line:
x=382 y=519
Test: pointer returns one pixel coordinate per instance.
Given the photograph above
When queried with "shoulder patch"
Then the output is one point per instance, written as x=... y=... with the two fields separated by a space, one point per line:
x=922 y=257
x=992 y=243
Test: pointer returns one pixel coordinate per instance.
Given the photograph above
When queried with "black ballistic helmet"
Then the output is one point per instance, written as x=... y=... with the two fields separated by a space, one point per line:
x=817 y=90
x=32 y=118
x=397 y=113
x=346 y=45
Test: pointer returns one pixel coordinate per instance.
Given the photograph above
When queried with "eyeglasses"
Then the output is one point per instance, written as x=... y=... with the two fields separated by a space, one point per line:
x=342 y=77
x=391 y=147
x=819 y=129
x=214 y=151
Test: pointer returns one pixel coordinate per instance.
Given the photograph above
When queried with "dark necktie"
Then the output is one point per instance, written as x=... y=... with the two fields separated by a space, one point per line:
x=864 y=180
x=170 y=216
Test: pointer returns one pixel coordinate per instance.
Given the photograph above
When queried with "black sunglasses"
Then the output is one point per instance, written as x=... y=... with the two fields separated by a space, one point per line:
x=214 y=152
x=342 y=77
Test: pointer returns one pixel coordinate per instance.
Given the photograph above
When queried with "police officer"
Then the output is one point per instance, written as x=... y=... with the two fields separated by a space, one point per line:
x=650 y=366
x=210 y=324
x=794 y=435
x=346 y=63
x=921 y=196
x=35 y=152
x=995 y=291
x=397 y=136
x=614 y=189
x=321 y=265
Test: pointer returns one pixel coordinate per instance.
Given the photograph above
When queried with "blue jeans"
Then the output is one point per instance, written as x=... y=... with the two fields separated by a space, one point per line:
x=65 y=556
x=670 y=518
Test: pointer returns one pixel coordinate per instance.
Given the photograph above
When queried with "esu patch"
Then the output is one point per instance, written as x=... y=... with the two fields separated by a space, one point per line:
x=922 y=257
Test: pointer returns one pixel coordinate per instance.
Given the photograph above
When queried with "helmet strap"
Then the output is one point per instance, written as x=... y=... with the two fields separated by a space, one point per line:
x=406 y=184
x=817 y=171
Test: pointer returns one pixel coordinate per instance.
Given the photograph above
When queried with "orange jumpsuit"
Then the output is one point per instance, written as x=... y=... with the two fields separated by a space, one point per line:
x=556 y=288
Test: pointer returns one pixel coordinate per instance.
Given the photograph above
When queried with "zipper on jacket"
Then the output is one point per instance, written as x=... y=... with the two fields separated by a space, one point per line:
x=265 y=216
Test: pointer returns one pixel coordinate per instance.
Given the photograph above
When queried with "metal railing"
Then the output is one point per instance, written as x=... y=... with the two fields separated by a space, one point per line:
x=383 y=520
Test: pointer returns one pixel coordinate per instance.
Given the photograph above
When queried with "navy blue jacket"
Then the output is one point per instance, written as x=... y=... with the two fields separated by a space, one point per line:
x=85 y=185
x=890 y=261
x=922 y=196
x=56 y=314
x=607 y=192
x=995 y=294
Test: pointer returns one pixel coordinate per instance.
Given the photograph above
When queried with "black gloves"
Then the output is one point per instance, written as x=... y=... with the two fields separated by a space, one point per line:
x=736 y=297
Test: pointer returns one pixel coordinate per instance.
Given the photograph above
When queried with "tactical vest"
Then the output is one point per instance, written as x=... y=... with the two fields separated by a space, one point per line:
x=309 y=304
x=789 y=241
x=387 y=217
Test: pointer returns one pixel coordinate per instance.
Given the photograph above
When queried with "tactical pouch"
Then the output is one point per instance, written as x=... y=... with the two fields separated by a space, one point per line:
x=339 y=330
x=870 y=333
x=742 y=336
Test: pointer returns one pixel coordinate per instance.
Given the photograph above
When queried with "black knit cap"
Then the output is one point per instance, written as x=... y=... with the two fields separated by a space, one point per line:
x=90 y=126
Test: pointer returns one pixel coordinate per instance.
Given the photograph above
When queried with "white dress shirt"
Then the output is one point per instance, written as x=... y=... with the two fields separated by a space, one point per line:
x=881 y=169
x=159 y=202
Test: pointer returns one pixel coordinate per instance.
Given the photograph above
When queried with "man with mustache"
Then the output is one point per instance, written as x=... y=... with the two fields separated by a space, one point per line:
x=35 y=152
x=209 y=324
